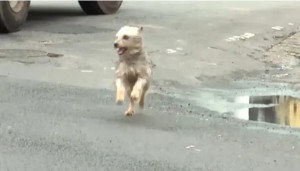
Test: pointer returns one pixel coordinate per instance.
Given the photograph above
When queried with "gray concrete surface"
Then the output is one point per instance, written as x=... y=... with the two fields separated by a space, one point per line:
x=59 y=113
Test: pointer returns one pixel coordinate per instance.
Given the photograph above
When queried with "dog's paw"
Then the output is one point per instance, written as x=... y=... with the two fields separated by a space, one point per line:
x=119 y=102
x=120 y=97
x=129 y=112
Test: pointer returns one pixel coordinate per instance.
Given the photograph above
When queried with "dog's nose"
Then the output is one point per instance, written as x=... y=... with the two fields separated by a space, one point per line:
x=116 y=45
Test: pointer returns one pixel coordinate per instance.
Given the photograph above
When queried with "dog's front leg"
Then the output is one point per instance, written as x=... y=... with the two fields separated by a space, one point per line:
x=120 y=96
x=138 y=88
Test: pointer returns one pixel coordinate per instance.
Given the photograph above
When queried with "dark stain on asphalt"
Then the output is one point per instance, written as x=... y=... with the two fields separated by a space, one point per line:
x=27 y=56
x=20 y=53
x=54 y=55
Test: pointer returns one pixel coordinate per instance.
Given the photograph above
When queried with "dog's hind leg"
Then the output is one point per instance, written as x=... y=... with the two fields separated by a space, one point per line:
x=120 y=96
x=130 y=110
x=142 y=100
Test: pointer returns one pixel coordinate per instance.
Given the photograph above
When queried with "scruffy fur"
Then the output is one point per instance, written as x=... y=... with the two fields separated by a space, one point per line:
x=133 y=70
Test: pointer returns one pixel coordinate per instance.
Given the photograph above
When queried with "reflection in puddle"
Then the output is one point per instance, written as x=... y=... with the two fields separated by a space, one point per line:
x=283 y=110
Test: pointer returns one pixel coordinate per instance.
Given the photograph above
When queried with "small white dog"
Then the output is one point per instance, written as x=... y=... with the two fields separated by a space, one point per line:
x=133 y=72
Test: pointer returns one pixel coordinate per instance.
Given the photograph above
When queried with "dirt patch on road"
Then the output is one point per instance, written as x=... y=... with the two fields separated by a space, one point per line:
x=285 y=56
x=286 y=53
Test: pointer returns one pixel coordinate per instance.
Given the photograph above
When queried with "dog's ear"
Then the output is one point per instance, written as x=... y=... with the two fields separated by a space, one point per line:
x=141 y=28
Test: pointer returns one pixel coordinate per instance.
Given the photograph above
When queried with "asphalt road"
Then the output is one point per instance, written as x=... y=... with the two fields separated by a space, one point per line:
x=59 y=113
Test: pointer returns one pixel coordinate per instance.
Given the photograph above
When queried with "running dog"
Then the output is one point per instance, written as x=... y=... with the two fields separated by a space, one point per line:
x=133 y=70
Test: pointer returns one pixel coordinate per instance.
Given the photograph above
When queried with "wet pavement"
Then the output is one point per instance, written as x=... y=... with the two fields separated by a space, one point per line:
x=55 y=127
x=225 y=89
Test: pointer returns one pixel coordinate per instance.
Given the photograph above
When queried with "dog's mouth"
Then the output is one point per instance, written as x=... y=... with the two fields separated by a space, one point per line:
x=121 y=50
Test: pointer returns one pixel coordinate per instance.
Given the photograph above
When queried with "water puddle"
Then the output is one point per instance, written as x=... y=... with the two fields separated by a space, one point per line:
x=283 y=110
x=276 y=103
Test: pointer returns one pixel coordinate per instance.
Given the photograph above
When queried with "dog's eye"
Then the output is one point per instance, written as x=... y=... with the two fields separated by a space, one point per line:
x=125 y=37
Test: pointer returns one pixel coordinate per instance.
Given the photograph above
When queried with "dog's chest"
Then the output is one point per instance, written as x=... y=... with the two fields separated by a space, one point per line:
x=129 y=71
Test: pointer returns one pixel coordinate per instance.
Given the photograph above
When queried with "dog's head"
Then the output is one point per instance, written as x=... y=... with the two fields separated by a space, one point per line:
x=129 y=40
